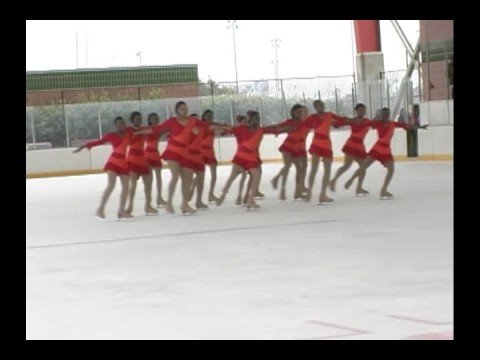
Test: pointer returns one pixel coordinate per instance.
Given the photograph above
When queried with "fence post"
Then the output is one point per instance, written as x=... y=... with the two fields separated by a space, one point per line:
x=336 y=100
x=284 y=101
x=381 y=93
x=304 y=100
x=354 y=87
x=211 y=92
x=32 y=122
x=100 y=132
x=353 y=99
x=319 y=96
x=231 y=112
x=370 y=98
x=388 y=94
x=65 y=120
x=260 y=111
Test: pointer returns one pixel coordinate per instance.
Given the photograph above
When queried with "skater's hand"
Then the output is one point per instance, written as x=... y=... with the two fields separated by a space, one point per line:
x=78 y=149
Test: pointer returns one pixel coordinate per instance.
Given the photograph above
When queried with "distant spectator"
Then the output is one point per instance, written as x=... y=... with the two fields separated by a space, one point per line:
x=402 y=118
x=414 y=119
x=412 y=133
x=450 y=74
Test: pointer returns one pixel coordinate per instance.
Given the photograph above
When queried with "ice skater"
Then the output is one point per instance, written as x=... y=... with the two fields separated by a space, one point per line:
x=116 y=166
x=209 y=159
x=354 y=148
x=247 y=157
x=138 y=165
x=321 y=147
x=154 y=158
x=293 y=152
x=381 y=151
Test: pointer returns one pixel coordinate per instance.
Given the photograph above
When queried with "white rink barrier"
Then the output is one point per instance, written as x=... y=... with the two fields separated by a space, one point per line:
x=436 y=143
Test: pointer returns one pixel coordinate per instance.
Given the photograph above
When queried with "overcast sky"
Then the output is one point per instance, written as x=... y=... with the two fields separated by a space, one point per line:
x=307 y=47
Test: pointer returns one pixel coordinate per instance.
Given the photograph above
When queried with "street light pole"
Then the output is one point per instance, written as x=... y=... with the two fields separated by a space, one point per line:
x=139 y=54
x=232 y=24
x=275 y=44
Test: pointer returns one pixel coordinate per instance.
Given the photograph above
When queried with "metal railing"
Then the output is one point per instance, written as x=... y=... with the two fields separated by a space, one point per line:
x=64 y=118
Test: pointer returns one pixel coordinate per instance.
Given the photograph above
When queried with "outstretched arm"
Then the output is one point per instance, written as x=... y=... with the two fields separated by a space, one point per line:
x=143 y=132
x=410 y=127
x=339 y=121
x=80 y=148
x=91 y=144
x=219 y=127
x=277 y=129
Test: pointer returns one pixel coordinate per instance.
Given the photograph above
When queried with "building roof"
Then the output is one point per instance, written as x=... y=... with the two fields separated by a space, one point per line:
x=111 y=77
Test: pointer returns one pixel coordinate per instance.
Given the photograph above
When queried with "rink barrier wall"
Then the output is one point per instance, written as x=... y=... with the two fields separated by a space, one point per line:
x=436 y=143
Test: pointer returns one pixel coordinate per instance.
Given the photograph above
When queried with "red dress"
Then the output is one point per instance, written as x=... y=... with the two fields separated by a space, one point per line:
x=193 y=154
x=321 y=123
x=247 y=154
x=208 y=152
x=294 y=143
x=354 y=145
x=116 y=162
x=151 y=151
x=381 y=150
x=137 y=162
x=180 y=137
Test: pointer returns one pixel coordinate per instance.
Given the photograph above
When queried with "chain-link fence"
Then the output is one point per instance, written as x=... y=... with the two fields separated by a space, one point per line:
x=71 y=117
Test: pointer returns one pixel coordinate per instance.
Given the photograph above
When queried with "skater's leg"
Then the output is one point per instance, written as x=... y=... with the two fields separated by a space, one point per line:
x=111 y=178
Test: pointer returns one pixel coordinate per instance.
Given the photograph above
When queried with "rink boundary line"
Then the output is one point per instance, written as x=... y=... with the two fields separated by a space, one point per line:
x=180 y=234
x=429 y=322
x=352 y=332
x=34 y=175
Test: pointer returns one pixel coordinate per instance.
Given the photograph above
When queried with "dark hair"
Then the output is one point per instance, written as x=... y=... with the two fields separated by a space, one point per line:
x=134 y=114
x=193 y=115
x=239 y=118
x=319 y=102
x=295 y=108
x=150 y=116
x=208 y=111
x=385 y=109
x=117 y=119
x=252 y=113
x=359 y=105
x=178 y=104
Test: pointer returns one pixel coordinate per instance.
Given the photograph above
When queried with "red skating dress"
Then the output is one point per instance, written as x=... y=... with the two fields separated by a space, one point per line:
x=117 y=161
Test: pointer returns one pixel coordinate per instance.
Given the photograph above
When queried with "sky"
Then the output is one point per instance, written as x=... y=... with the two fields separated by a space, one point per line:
x=306 y=47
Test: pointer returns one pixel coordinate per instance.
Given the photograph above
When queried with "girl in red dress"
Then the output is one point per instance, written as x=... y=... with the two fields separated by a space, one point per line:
x=116 y=166
x=354 y=148
x=381 y=151
x=241 y=121
x=293 y=152
x=208 y=154
x=247 y=157
x=138 y=165
x=154 y=159
x=321 y=147
x=205 y=146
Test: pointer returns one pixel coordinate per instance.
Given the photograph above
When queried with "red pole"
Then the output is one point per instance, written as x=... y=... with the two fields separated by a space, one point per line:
x=367 y=35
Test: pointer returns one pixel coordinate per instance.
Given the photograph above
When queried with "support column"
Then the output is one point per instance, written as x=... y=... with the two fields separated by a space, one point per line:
x=370 y=65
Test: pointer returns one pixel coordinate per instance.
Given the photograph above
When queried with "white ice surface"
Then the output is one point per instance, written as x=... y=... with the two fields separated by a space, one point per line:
x=359 y=268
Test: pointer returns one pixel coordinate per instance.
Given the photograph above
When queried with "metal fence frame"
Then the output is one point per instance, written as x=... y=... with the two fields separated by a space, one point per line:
x=77 y=121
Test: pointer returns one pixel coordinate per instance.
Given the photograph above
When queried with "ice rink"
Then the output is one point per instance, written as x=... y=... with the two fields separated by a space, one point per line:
x=360 y=268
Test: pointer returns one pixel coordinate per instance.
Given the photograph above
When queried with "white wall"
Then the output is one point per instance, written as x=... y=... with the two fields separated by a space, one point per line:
x=437 y=140
x=437 y=112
